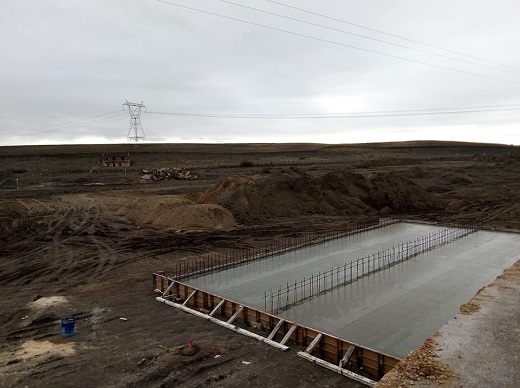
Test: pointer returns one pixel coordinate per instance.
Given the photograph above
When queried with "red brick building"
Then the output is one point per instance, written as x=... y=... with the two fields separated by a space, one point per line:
x=116 y=160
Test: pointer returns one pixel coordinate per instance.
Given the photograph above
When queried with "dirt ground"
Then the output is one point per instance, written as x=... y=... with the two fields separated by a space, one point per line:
x=81 y=239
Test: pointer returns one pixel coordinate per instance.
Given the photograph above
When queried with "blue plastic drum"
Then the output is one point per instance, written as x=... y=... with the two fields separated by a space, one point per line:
x=68 y=326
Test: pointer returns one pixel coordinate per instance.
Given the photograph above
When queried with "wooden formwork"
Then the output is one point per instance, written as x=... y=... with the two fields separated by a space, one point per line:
x=342 y=354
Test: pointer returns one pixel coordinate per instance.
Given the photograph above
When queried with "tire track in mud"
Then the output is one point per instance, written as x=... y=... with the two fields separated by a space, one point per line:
x=511 y=210
x=66 y=248
x=80 y=242
x=38 y=233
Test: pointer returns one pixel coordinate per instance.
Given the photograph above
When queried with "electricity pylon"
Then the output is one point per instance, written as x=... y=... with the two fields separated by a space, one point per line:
x=135 y=130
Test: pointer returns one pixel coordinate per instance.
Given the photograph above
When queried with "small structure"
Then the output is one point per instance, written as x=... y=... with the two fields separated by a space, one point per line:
x=119 y=160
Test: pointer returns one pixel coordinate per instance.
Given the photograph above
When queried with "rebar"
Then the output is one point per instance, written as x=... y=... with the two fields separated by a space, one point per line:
x=387 y=258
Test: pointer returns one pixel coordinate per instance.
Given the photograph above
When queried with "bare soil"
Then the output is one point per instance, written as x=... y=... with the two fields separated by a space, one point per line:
x=80 y=239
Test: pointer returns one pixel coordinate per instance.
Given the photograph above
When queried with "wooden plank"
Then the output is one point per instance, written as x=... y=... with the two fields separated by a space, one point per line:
x=346 y=357
x=276 y=328
x=217 y=307
x=331 y=348
x=235 y=315
x=189 y=297
x=339 y=350
x=228 y=308
x=360 y=361
x=244 y=315
x=222 y=323
x=199 y=299
x=169 y=288
x=289 y=333
x=183 y=293
x=344 y=372
x=380 y=367
x=205 y=299
x=314 y=342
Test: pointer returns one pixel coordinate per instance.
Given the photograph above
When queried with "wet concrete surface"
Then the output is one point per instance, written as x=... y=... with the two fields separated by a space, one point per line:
x=249 y=282
x=392 y=311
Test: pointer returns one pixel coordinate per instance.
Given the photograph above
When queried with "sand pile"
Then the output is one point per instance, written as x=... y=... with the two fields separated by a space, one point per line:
x=178 y=212
x=420 y=367
x=292 y=193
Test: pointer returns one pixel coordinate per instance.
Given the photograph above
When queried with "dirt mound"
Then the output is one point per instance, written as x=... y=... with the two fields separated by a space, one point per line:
x=291 y=193
x=400 y=194
x=46 y=302
x=178 y=212
x=420 y=365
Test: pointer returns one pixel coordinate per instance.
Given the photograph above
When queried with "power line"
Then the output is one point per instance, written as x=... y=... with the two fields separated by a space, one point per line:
x=389 y=34
x=495 y=67
x=335 y=43
x=371 y=114
x=79 y=123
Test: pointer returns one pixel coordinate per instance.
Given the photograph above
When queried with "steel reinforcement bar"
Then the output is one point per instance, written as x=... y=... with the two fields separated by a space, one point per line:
x=342 y=356
x=198 y=265
x=295 y=293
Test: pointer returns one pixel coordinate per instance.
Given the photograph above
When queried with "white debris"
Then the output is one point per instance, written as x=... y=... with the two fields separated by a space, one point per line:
x=162 y=174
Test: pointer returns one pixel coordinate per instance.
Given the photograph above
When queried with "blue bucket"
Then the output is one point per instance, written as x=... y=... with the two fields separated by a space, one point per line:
x=68 y=326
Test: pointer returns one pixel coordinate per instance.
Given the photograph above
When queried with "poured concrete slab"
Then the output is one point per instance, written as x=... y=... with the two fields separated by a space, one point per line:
x=395 y=310
x=479 y=346
x=392 y=311
x=249 y=282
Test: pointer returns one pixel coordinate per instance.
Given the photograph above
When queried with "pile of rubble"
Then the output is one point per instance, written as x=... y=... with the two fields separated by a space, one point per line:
x=163 y=174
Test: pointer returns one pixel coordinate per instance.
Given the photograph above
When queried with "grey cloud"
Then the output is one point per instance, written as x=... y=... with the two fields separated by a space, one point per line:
x=65 y=61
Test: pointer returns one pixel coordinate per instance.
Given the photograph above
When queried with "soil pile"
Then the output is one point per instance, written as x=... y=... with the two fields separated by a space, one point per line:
x=401 y=195
x=178 y=212
x=292 y=193
x=417 y=368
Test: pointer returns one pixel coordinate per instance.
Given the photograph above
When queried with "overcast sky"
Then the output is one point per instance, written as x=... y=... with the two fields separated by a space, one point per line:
x=67 y=66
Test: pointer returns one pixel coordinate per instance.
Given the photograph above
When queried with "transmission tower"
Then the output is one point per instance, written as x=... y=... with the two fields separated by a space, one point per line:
x=135 y=130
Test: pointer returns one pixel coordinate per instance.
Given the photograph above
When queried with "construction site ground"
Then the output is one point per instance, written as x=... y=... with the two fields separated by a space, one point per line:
x=81 y=239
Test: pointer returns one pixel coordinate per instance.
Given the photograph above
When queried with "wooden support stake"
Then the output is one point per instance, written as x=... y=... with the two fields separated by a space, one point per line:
x=276 y=328
x=222 y=323
x=359 y=352
x=235 y=315
x=168 y=289
x=217 y=307
x=314 y=342
x=347 y=356
x=189 y=297
x=289 y=333
x=380 y=366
